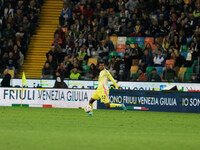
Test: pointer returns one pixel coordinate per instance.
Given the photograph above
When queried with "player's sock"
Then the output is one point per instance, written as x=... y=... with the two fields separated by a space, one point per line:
x=91 y=104
x=112 y=105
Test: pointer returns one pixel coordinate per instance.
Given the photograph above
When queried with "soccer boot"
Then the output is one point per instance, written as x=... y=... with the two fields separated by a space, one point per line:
x=124 y=107
x=90 y=114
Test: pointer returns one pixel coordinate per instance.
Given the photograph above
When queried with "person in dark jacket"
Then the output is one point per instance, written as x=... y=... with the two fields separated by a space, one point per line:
x=6 y=79
x=59 y=82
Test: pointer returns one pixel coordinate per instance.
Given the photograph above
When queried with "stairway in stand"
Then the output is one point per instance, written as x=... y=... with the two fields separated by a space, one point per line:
x=41 y=42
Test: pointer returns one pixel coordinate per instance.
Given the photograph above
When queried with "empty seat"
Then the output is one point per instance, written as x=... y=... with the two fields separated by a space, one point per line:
x=140 y=39
x=92 y=60
x=184 y=54
x=188 y=73
x=121 y=40
x=159 y=70
x=149 y=39
x=85 y=68
x=130 y=40
x=184 y=48
x=181 y=73
x=134 y=69
x=142 y=46
x=114 y=39
x=120 y=47
x=111 y=54
x=121 y=54
x=149 y=69
x=170 y=62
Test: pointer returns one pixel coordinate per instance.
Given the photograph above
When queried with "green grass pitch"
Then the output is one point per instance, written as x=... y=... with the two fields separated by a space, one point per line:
x=70 y=129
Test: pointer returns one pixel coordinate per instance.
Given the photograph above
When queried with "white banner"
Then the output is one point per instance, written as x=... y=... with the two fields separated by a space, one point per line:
x=58 y=98
x=80 y=84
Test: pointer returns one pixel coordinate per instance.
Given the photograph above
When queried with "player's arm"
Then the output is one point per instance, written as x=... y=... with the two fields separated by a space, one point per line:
x=111 y=78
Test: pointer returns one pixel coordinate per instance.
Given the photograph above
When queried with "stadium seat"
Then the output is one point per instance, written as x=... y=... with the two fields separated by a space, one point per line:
x=184 y=54
x=181 y=73
x=170 y=62
x=121 y=40
x=159 y=70
x=111 y=54
x=188 y=73
x=184 y=48
x=130 y=40
x=134 y=69
x=121 y=54
x=132 y=45
x=135 y=62
x=120 y=47
x=140 y=43
x=85 y=68
x=149 y=70
x=92 y=60
x=114 y=39
x=149 y=39
x=12 y=73
x=140 y=39
x=194 y=62
x=142 y=46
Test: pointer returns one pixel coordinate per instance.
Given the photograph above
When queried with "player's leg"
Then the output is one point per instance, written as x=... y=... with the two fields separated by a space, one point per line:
x=95 y=96
x=107 y=103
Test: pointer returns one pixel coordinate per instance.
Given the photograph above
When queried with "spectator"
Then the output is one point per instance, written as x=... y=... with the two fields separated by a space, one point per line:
x=11 y=62
x=53 y=53
x=180 y=60
x=128 y=64
x=159 y=59
x=93 y=72
x=88 y=12
x=101 y=35
x=129 y=49
x=142 y=77
x=60 y=83
x=146 y=60
x=6 y=79
x=47 y=72
x=82 y=56
x=154 y=77
x=111 y=66
x=103 y=51
x=75 y=75
x=137 y=52
x=168 y=75
x=8 y=33
x=65 y=16
x=117 y=65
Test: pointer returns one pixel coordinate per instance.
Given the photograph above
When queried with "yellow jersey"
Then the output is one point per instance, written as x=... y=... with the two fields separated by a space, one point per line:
x=103 y=80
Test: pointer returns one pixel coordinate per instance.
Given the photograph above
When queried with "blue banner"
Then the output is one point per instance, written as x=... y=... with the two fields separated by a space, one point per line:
x=164 y=101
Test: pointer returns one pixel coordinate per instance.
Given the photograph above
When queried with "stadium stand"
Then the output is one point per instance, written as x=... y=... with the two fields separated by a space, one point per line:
x=105 y=30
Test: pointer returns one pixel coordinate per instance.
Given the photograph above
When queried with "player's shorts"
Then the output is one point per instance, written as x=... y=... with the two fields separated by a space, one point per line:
x=101 y=94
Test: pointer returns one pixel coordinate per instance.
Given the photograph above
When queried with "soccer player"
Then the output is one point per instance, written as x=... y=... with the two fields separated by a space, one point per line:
x=102 y=91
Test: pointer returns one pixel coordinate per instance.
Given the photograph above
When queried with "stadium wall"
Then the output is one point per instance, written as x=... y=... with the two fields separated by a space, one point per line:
x=35 y=97
x=163 y=101
x=81 y=84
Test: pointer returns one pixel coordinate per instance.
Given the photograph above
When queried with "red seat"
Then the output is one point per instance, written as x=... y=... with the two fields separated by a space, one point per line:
x=149 y=39
x=170 y=62
x=120 y=47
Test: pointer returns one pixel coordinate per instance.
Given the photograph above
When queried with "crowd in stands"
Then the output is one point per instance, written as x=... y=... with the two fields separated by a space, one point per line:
x=18 y=20
x=139 y=40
